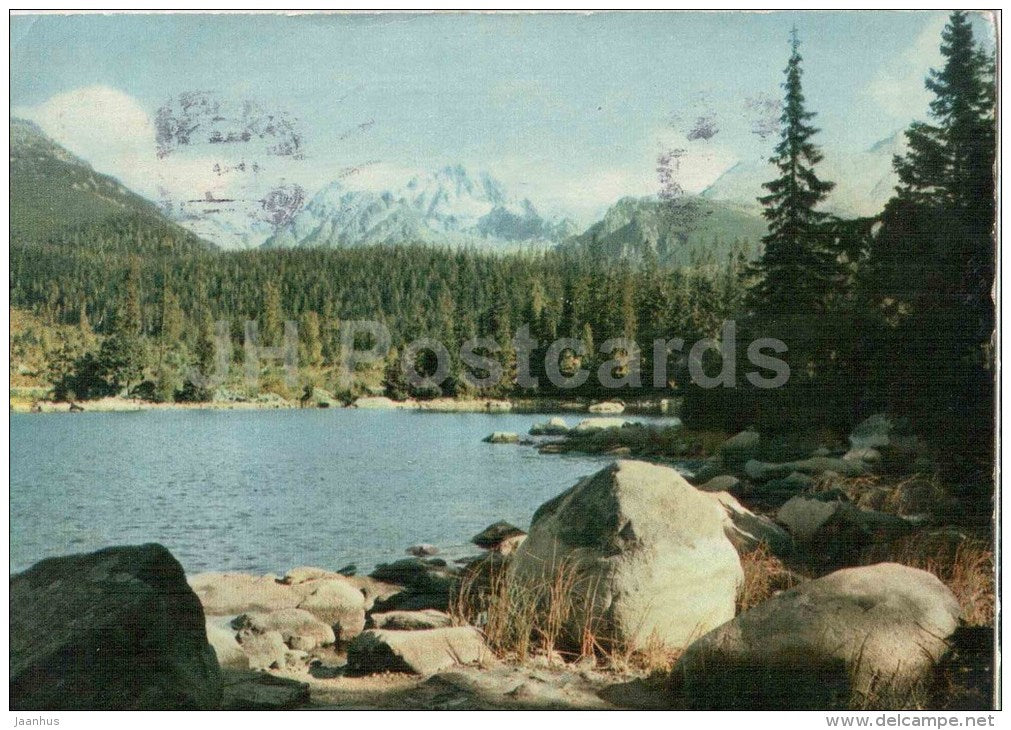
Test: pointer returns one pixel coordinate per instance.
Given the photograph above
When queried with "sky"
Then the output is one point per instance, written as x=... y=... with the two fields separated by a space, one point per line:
x=570 y=110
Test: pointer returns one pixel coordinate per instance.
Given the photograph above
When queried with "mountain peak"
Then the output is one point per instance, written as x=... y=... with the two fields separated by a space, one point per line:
x=865 y=180
x=450 y=205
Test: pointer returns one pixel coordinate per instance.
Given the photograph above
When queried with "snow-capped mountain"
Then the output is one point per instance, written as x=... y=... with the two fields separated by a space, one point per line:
x=864 y=180
x=448 y=206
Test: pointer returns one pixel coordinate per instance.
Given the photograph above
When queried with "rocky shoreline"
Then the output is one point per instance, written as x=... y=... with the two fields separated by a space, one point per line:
x=323 y=399
x=757 y=584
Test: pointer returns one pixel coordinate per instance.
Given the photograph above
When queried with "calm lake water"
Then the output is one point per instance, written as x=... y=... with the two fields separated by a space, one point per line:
x=269 y=490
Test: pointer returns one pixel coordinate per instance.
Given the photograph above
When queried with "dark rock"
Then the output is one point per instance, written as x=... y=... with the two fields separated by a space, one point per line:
x=117 y=629
x=490 y=537
x=737 y=450
x=428 y=583
x=422 y=550
x=244 y=690
x=963 y=679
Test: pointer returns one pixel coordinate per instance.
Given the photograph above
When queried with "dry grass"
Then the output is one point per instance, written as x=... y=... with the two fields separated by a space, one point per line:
x=764 y=576
x=965 y=564
x=553 y=617
x=520 y=617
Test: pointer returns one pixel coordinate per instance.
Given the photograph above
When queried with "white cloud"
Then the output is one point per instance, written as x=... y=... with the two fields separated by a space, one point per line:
x=898 y=86
x=112 y=131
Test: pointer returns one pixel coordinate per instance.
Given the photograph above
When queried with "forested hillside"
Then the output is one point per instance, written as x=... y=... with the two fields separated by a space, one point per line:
x=57 y=199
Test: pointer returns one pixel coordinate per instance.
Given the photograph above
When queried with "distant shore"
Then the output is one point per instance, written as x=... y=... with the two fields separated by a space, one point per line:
x=435 y=405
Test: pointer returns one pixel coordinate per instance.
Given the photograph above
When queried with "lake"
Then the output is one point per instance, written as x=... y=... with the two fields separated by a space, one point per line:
x=265 y=491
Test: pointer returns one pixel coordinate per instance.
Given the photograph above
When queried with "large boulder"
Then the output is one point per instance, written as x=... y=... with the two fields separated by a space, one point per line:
x=644 y=551
x=423 y=652
x=836 y=532
x=263 y=649
x=338 y=603
x=873 y=630
x=117 y=629
x=299 y=629
x=228 y=594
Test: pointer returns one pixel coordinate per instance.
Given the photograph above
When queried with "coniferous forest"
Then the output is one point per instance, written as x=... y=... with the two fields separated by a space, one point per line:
x=886 y=313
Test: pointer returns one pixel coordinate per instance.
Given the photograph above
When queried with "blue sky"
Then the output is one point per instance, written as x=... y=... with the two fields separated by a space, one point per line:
x=569 y=109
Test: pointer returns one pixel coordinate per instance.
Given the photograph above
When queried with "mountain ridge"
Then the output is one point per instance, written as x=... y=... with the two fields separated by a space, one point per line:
x=55 y=195
x=447 y=206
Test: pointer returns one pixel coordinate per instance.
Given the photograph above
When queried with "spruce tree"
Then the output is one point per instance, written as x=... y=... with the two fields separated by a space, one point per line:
x=931 y=265
x=791 y=284
x=797 y=265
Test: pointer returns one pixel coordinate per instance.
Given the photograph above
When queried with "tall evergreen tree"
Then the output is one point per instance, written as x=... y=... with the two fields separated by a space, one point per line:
x=791 y=285
x=797 y=265
x=931 y=265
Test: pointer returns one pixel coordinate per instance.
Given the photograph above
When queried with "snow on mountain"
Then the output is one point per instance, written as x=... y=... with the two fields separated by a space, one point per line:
x=448 y=206
x=864 y=180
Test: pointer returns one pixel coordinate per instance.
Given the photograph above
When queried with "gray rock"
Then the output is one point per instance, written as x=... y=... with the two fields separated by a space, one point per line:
x=739 y=449
x=246 y=690
x=722 y=483
x=221 y=637
x=864 y=454
x=264 y=650
x=708 y=470
x=592 y=425
x=423 y=652
x=299 y=629
x=877 y=629
x=804 y=516
x=492 y=537
x=748 y=531
x=872 y=433
x=760 y=471
x=117 y=629
x=502 y=437
x=551 y=427
x=422 y=550
x=411 y=620
x=304 y=574
x=607 y=408
x=837 y=531
x=337 y=602
x=792 y=482
x=427 y=583
x=646 y=551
